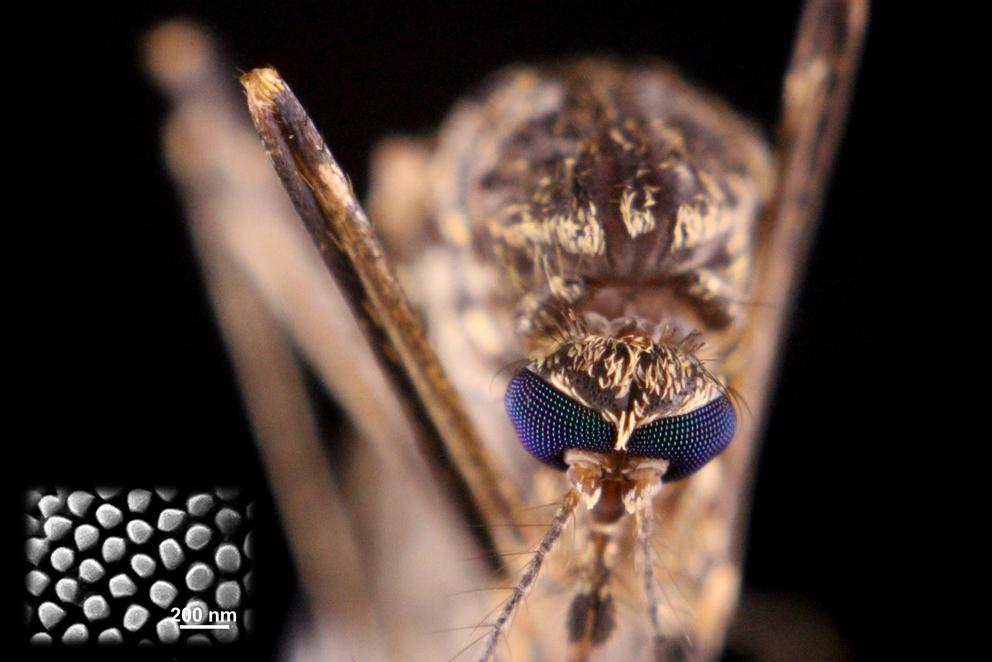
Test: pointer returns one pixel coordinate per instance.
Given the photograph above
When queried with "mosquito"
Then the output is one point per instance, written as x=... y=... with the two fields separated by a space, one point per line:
x=628 y=245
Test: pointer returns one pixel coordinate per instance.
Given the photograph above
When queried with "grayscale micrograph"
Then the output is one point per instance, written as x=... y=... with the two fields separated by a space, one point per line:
x=114 y=566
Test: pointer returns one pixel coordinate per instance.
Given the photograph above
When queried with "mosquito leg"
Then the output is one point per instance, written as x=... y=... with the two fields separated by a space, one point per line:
x=816 y=94
x=212 y=150
x=283 y=422
x=353 y=254
x=529 y=575
x=815 y=98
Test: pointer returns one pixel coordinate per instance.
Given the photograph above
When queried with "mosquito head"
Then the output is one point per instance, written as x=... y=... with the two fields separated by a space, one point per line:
x=622 y=398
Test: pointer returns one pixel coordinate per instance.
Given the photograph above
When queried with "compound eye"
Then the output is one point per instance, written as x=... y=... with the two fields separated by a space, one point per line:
x=548 y=423
x=688 y=441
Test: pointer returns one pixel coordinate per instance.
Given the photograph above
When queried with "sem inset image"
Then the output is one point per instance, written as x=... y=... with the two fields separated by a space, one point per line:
x=115 y=566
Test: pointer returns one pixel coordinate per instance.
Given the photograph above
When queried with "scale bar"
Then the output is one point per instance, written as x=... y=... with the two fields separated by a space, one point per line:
x=205 y=627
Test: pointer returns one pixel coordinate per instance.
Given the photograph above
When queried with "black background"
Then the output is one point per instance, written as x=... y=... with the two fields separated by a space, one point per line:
x=127 y=375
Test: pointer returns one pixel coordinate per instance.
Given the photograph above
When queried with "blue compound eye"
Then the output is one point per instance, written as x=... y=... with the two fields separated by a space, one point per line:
x=549 y=423
x=688 y=441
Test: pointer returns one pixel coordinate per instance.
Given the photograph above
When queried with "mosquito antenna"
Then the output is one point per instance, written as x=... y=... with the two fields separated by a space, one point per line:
x=530 y=572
